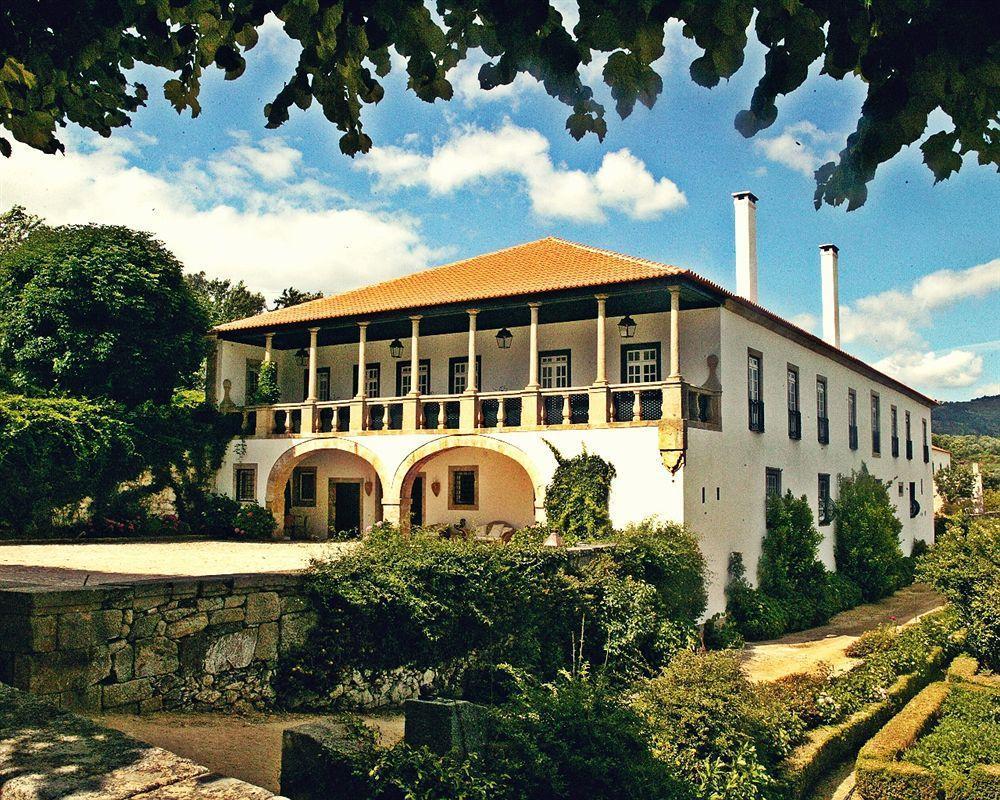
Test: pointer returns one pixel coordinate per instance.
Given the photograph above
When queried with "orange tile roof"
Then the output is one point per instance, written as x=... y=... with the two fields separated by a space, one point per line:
x=546 y=265
x=534 y=268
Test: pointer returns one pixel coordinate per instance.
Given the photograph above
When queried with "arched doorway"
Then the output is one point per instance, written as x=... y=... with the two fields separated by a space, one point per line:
x=325 y=486
x=475 y=478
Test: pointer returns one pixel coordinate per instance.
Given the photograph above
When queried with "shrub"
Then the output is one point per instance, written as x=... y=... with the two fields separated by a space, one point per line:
x=54 y=453
x=841 y=593
x=425 y=602
x=714 y=727
x=666 y=556
x=721 y=633
x=572 y=738
x=576 y=738
x=268 y=389
x=867 y=535
x=215 y=515
x=789 y=569
x=253 y=521
x=964 y=565
x=908 y=653
x=576 y=501
x=755 y=615
x=876 y=640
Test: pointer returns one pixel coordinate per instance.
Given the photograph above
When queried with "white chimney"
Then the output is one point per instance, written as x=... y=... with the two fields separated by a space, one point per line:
x=831 y=293
x=746 y=244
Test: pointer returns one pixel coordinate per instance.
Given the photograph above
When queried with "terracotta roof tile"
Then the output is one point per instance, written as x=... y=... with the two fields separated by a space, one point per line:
x=534 y=268
x=538 y=267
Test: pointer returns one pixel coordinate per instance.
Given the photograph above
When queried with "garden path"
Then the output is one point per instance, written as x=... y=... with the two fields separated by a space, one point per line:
x=805 y=651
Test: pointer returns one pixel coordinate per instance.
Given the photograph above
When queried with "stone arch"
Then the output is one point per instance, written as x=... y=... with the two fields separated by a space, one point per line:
x=281 y=471
x=398 y=491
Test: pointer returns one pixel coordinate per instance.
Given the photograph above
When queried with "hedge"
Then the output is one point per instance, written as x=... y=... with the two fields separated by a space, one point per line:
x=830 y=745
x=885 y=768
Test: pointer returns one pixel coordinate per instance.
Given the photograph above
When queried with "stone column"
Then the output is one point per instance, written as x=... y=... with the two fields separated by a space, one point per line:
x=600 y=396
x=533 y=347
x=268 y=347
x=415 y=355
x=469 y=402
x=357 y=422
x=530 y=400
x=313 y=358
x=675 y=341
x=309 y=416
x=411 y=403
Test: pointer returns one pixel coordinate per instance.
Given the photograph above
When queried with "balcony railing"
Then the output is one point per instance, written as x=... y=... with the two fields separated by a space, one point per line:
x=621 y=403
x=756 y=415
x=794 y=424
x=823 y=430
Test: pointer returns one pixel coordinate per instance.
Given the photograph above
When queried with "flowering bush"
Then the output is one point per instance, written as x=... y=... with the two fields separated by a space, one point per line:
x=254 y=522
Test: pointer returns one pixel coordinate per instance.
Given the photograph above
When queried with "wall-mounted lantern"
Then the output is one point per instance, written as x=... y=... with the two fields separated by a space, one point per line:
x=302 y=357
x=504 y=338
x=626 y=327
x=395 y=348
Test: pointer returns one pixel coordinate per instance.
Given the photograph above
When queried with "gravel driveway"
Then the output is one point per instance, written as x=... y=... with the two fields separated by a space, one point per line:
x=74 y=564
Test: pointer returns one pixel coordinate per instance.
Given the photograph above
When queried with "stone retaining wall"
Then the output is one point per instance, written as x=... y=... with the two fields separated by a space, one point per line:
x=202 y=644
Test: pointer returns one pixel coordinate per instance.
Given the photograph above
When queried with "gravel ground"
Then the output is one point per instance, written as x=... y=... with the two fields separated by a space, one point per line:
x=74 y=564
x=804 y=651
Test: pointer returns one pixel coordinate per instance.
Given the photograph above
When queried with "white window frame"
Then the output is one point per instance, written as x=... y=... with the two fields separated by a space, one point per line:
x=553 y=369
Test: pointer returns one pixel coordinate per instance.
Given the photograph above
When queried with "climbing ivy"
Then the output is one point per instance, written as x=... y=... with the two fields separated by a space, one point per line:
x=268 y=390
x=576 y=501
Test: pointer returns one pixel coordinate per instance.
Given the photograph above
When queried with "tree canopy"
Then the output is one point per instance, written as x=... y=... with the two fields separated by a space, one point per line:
x=100 y=312
x=293 y=297
x=223 y=300
x=63 y=63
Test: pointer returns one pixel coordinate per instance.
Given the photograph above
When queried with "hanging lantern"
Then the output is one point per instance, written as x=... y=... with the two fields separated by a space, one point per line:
x=302 y=357
x=504 y=338
x=396 y=348
x=626 y=327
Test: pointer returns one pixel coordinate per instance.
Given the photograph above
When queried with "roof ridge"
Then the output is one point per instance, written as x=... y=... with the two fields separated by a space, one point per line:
x=624 y=256
x=374 y=286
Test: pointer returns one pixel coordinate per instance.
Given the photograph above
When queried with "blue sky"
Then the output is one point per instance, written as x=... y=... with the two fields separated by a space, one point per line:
x=919 y=264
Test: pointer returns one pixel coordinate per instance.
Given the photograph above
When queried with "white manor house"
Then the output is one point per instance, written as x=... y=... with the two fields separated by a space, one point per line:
x=703 y=400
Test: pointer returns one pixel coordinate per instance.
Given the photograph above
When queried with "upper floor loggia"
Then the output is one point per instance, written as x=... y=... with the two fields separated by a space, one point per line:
x=542 y=334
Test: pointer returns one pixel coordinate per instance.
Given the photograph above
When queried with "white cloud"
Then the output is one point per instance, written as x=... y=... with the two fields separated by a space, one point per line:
x=473 y=155
x=892 y=322
x=465 y=81
x=248 y=213
x=802 y=147
x=954 y=369
x=893 y=318
x=987 y=389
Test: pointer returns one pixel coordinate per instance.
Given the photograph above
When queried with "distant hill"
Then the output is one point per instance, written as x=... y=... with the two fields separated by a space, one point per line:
x=979 y=417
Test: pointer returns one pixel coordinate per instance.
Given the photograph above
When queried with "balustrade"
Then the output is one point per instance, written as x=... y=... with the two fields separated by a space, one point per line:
x=492 y=410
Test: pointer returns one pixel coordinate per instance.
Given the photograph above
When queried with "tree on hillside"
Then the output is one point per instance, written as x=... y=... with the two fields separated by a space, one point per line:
x=15 y=225
x=98 y=311
x=293 y=297
x=223 y=300
x=64 y=63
